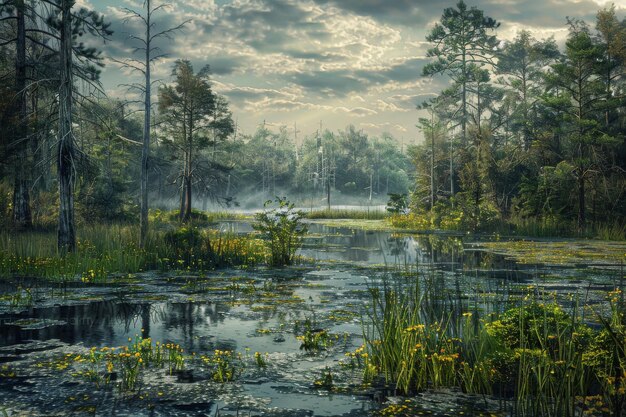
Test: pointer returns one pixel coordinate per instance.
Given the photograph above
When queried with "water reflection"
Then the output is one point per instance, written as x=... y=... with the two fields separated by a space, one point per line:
x=469 y=277
x=111 y=323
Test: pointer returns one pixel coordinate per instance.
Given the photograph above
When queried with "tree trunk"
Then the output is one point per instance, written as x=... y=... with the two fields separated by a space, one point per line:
x=65 y=163
x=581 y=203
x=145 y=150
x=464 y=103
x=188 y=199
x=432 y=164
x=21 y=196
x=183 y=192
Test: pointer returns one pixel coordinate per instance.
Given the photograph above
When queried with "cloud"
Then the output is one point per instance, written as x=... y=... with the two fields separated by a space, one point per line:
x=383 y=127
x=337 y=60
x=362 y=112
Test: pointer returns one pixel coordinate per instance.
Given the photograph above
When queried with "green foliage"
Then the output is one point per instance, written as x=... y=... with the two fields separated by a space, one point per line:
x=548 y=361
x=397 y=203
x=188 y=246
x=539 y=148
x=313 y=339
x=412 y=221
x=325 y=381
x=104 y=250
x=282 y=229
x=373 y=214
x=194 y=118
x=533 y=325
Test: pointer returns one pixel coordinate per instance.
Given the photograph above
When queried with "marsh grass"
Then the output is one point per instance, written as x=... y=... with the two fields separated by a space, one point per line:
x=101 y=249
x=613 y=231
x=104 y=250
x=165 y=219
x=369 y=214
x=538 y=359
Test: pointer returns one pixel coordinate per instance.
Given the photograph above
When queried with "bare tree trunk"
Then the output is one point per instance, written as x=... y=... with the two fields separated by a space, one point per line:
x=21 y=196
x=145 y=151
x=183 y=198
x=432 y=163
x=188 y=173
x=581 y=203
x=188 y=199
x=65 y=163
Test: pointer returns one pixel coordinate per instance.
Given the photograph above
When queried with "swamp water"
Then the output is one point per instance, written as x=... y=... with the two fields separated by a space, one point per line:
x=46 y=336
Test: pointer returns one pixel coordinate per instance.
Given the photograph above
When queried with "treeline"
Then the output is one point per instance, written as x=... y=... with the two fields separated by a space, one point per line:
x=348 y=163
x=526 y=131
x=68 y=152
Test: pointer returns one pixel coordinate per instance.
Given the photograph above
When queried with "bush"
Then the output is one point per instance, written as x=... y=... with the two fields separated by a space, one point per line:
x=397 y=203
x=282 y=230
x=532 y=325
x=188 y=246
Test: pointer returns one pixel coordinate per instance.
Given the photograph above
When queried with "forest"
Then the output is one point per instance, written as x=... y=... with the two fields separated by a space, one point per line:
x=157 y=258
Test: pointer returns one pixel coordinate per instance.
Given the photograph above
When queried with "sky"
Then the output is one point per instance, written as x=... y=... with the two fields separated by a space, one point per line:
x=306 y=62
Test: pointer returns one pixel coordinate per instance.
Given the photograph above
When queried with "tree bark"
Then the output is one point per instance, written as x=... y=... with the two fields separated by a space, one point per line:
x=432 y=163
x=21 y=196
x=66 y=149
x=145 y=151
x=581 y=203
x=188 y=199
x=183 y=199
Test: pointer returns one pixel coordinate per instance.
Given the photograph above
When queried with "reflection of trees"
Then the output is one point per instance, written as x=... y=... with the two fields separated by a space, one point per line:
x=110 y=321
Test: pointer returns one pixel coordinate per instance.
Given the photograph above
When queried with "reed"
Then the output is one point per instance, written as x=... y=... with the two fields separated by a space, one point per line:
x=369 y=214
x=106 y=249
x=536 y=357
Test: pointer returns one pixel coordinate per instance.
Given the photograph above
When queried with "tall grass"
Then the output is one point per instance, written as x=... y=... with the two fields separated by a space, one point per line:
x=101 y=249
x=537 y=358
x=106 y=249
x=612 y=231
x=370 y=214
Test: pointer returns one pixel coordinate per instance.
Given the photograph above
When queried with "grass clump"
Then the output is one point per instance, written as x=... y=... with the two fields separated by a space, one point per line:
x=282 y=230
x=373 y=214
x=198 y=218
x=536 y=357
x=104 y=250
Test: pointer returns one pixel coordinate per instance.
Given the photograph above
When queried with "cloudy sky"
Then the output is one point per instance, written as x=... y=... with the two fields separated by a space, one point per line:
x=337 y=61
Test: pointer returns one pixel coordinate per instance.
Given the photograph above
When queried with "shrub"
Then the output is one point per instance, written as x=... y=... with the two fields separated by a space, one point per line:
x=533 y=325
x=282 y=229
x=397 y=203
x=187 y=246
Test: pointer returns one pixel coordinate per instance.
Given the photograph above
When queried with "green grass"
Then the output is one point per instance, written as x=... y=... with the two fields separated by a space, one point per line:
x=530 y=227
x=373 y=214
x=161 y=218
x=537 y=357
x=106 y=249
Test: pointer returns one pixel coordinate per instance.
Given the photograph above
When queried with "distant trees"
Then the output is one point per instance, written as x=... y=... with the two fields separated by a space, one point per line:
x=193 y=118
x=550 y=146
x=268 y=163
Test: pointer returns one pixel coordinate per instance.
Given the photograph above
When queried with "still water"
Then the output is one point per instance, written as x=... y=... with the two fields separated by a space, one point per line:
x=205 y=313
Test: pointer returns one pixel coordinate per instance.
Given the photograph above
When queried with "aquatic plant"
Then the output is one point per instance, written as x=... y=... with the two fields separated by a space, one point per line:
x=226 y=365
x=260 y=360
x=544 y=359
x=314 y=340
x=325 y=381
x=103 y=250
x=282 y=229
x=22 y=297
